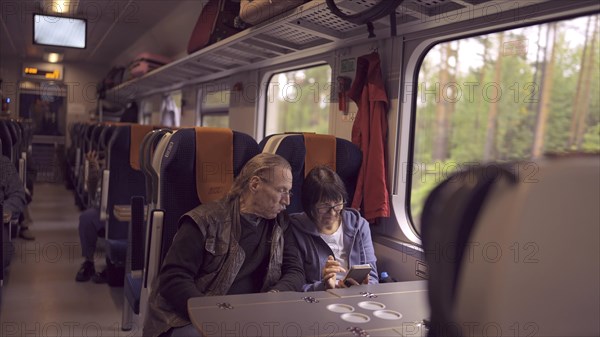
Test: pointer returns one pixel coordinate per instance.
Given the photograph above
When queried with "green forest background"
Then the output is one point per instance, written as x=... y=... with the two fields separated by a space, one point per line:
x=507 y=96
x=298 y=101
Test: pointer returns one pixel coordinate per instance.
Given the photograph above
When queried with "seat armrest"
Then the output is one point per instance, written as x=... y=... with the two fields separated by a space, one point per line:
x=23 y=171
x=77 y=162
x=104 y=198
x=86 y=174
x=153 y=247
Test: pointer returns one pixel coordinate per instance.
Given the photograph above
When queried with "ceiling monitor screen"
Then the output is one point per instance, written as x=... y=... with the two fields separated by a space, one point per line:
x=59 y=31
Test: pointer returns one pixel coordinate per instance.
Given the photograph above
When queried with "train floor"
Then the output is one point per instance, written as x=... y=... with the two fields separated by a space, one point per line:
x=40 y=296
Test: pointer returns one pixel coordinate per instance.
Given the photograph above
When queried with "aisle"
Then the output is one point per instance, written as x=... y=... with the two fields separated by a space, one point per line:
x=40 y=296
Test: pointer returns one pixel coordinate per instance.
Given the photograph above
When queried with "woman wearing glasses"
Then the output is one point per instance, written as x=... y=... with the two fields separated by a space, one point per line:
x=331 y=238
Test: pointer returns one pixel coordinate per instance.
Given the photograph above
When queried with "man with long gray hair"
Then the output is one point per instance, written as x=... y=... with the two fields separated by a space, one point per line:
x=238 y=245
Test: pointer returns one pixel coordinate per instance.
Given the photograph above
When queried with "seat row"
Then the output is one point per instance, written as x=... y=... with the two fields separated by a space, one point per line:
x=153 y=175
x=86 y=138
x=15 y=144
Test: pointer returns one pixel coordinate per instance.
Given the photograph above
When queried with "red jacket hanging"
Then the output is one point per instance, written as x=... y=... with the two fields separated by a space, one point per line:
x=369 y=132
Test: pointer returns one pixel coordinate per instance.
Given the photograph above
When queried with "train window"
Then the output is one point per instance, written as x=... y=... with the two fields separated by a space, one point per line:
x=170 y=110
x=151 y=110
x=147 y=110
x=297 y=100
x=214 y=108
x=510 y=95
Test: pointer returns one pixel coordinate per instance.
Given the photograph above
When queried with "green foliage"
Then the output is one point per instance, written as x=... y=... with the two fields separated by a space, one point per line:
x=517 y=98
x=426 y=177
x=591 y=140
x=301 y=104
x=216 y=121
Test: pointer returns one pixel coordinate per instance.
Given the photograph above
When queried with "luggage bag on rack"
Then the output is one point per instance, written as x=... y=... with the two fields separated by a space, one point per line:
x=144 y=63
x=257 y=11
x=216 y=22
x=114 y=77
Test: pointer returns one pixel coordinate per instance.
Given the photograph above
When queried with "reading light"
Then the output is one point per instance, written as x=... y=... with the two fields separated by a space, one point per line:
x=64 y=6
x=53 y=57
x=59 y=6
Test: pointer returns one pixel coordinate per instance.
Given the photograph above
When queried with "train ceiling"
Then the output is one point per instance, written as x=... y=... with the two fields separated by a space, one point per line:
x=112 y=26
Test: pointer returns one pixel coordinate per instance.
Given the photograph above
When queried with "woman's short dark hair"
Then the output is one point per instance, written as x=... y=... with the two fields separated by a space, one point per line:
x=321 y=184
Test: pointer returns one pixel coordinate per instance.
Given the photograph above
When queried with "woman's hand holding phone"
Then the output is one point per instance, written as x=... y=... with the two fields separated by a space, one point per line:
x=357 y=274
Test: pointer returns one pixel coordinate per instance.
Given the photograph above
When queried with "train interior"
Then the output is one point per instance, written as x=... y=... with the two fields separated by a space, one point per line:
x=467 y=132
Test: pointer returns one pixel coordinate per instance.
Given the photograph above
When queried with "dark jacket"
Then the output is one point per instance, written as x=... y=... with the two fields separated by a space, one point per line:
x=314 y=251
x=183 y=277
x=12 y=192
x=13 y=198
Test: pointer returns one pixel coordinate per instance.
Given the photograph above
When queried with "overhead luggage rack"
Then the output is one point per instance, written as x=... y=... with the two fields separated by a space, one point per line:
x=298 y=33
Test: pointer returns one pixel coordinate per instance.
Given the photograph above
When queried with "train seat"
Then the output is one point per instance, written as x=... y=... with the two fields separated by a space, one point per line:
x=153 y=146
x=135 y=262
x=85 y=145
x=125 y=179
x=6 y=246
x=91 y=144
x=155 y=215
x=516 y=251
x=179 y=179
x=179 y=175
x=12 y=140
x=449 y=214
x=153 y=234
x=293 y=148
x=74 y=152
x=131 y=291
x=102 y=152
x=6 y=139
x=547 y=277
x=156 y=168
x=15 y=133
x=150 y=150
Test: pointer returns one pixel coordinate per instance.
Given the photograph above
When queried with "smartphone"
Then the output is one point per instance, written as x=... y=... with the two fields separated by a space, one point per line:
x=358 y=273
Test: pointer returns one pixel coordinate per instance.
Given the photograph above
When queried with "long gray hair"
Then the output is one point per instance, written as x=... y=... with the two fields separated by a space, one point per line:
x=262 y=165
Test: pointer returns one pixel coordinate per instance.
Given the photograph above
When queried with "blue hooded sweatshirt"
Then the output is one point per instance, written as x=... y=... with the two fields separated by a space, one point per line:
x=314 y=251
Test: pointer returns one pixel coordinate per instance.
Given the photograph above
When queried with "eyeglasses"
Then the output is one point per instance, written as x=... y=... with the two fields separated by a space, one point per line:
x=282 y=191
x=326 y=209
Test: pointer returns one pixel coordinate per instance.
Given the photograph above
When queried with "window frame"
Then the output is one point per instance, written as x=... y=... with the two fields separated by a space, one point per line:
x=145 y=117
x=407 y=109
x=266 y=74
x=202 y=111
